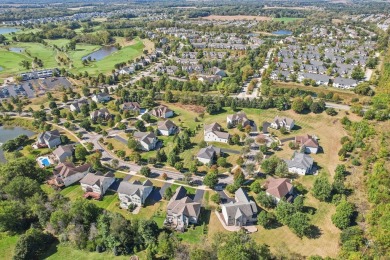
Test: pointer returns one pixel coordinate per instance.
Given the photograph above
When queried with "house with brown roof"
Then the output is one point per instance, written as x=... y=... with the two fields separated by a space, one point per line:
x=101 y=113
x=182 y=210
x=213 y=133
x=241 y=212
x=166 y=127
x=162 y=111
x=279 y=188
x=308 y=143
x=96 y=185
x=67 y=173
x=131 y=106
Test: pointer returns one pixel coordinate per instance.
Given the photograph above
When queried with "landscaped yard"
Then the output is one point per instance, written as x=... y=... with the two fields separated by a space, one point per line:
x=7 y=245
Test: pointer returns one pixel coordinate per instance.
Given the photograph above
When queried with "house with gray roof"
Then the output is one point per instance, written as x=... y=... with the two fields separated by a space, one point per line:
x=162 y=111
x=134 y=193
x=147 y=140
x=238 y=118
x=300 y=163
x=75 y=106
x=319 y=79
x=167 y=127
x=182 y=210
x=280 y=122
x=49 y=139
x=101 y=113
x=344 y=83
x=63 y=153
x=241 y=212
x=96 y=185
x=213 y=133
x=101 y=97
x=208 y=154
x=131 y=106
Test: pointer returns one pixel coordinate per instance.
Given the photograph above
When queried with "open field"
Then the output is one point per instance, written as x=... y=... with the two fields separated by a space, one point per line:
x=236 y=17
x=7 y=245
x=286 y=19
x=10 y=63
x=289 y=7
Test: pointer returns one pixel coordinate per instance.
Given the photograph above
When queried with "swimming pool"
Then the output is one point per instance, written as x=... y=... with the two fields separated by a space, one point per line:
x=44 y=161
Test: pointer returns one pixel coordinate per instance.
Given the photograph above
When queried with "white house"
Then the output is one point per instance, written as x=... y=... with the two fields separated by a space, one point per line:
x=182 y=210
x=101 y=97
x=147 y=140
x=67 y=173
x=241 y=212
x=308 y=143
x=213 y=133
x=75 y=106
x=166 y=127
x=162 y=111
x=96 y=185
x=286 y=122
x=340 y=82
x=208 y=154
x=134 y=193
x=301 y=164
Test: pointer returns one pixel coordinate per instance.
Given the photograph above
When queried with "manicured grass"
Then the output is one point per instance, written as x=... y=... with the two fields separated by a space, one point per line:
x=10 y=63
x=7 y=245
x=64 y=251
x=107 y=64
x=286 y=19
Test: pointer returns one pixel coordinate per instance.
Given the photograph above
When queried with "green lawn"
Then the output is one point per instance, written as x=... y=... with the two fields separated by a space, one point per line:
x=7 y=245
x=10 y=62
x=286 y=19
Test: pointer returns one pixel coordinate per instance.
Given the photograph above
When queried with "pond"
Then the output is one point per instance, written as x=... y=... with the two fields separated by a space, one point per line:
x=5 y=30
x=16 y=49
x=1 y=68
x=101 y=53
x=282 y=32
x=8 y=133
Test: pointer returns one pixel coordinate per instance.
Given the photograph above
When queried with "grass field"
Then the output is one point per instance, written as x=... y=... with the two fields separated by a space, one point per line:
x=286 y=19
x=10 y=63
x=236 y=17
x=7 y=245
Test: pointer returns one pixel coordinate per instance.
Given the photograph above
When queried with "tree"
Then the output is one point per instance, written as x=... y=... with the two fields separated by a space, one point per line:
x=114 y=163
x=166 y=245
x=172 y=158
x=94 y=160
x=298 y=105
x=146 y=117
x=179 y=166
x=343 y=215
x=269 y=165
x=357 y=73
x=256 y=187
x=211 y=179
x=299 y=224
x=266 y=219
x=168 y=193
x=80 y=152
x=216 y=198
x=86 y=124
x=193 y=168
x=52 y=105
x=140 y=126
x=145 y=171
x=12 y=216
x=221 y=162
x=32 y=245
x=322 y=189
x=239 y=178
x=265 y=200
x=21 y=188
x=284 y=211
x=134 y=144
x=281 y=169
x=298 y=203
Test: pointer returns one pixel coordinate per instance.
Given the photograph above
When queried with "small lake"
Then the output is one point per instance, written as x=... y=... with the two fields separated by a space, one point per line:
x=5 y=30
x=282 y=32
x=16 y=49
x=101 y=53
x=8 y=133
x=1 y=68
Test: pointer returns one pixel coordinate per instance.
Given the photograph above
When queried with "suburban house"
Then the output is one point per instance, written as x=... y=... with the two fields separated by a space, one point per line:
x=131 y=106
x=300 y=163
x=213 y=133
x=308 y=143
x=340 y=82
x=49 y=139
x=67 y=173
x=162 y=111
x=182 y=210
x=166 y=127
x=134 y=193
x=96 y=185
x=75 y=106
x=238 y=118
x=280 y=122
x=319 y=79
x=101 y=97
x=279 y=188
x=101 y=113
x=241 y=212
x=148 y=140
x=208 y=154
x=63 y=153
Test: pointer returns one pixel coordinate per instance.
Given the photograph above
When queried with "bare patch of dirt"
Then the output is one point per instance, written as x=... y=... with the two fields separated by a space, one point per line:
x=192 y=108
